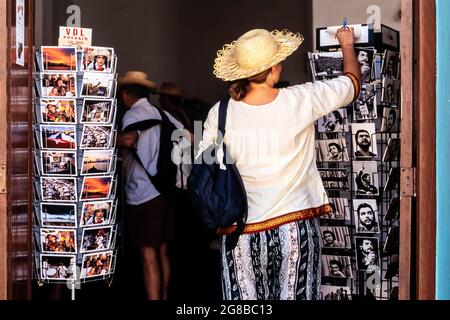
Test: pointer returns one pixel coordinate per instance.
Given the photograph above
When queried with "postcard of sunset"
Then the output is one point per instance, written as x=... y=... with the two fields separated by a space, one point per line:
x=59 y=59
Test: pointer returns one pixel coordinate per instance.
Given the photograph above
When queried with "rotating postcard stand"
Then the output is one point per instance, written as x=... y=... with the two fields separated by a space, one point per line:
x=360 y=237
x=75 y=156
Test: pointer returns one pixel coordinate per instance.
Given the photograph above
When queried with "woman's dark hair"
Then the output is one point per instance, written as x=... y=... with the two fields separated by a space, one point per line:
x=239 y=88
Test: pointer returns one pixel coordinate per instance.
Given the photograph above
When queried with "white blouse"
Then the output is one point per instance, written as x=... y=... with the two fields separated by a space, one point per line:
x=273 y=146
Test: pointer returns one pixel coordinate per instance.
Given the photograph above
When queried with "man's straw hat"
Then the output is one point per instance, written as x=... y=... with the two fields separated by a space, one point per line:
x=171 y=88
x=254 y=52
x=139 y=78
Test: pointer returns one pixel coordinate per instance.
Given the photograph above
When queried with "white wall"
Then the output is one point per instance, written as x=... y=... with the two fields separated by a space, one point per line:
x=331 y=12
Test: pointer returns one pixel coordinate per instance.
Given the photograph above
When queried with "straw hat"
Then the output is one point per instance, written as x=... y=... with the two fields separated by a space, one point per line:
x=99 y=52
x=255 y=52
x=139 y=78
x=100 y=206
x=171 y=88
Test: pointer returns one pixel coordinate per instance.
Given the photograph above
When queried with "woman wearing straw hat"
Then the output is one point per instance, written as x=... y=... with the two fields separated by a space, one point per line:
x=99 y=214
x=100 y=60
x=270 y=135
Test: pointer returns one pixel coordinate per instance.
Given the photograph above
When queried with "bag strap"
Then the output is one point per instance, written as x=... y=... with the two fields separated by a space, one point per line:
x=233 y=238
x=147 y=124
x=163 y=115
x=136 y=157
x=140 y=126
x=223 y=108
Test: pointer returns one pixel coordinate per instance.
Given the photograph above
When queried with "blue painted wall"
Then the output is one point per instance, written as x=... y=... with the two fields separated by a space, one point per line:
x=443 y=150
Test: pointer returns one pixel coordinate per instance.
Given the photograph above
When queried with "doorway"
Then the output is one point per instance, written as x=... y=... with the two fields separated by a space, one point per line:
x=175 y=43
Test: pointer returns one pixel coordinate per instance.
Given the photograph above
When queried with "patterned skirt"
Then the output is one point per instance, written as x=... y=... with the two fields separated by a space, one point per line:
x=282 y=263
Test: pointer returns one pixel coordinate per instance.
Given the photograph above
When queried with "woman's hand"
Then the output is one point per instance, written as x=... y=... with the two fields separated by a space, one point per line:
x=346 y=37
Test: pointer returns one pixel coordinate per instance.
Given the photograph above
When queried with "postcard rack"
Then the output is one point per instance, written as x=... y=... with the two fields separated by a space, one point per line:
x=75 y=180
x=360 y=238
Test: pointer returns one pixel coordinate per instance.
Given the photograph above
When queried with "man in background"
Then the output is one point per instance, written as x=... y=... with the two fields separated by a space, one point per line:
x=149 y=215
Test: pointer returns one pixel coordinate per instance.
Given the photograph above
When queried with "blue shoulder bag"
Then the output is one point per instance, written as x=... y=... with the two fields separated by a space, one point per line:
x=216 y=190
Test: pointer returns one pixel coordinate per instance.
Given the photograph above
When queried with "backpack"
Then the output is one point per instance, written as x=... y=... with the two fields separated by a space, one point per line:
x=166 y=179
x=216 y=190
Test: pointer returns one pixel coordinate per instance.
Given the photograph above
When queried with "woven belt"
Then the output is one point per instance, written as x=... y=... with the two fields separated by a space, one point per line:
x=278 y=221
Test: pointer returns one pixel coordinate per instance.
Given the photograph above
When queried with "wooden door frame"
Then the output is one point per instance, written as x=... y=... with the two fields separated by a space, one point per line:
x=406 y=158
x=4 y=230
x=425 y=109
x=16 y=155
x=418 y=153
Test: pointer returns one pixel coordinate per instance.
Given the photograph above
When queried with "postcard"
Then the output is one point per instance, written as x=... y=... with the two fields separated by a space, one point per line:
x=366 y=178
x=335 y=293
x=340 y=210
x=96 y=188
x=96 y=137
x=58 y=137
x=58 y=111
x=335 y=237
x=97 y=85
x=336 y=267
x=366 y=216
x=97 y=162
x=390 y=122
x=57 y=267
x=367 y=254
x=97 y=111
x=58 y=241
x=98 y=59
x=95 y=239
x=326 y=64
x=335 y=121
x=56 y=189
x=58 y=215
x=392 y=151
x=96 y=264
x=59 y=58
x=96 y=213
x=58 y=85
x=59 y=163
x=334 y=150
x=364 y=141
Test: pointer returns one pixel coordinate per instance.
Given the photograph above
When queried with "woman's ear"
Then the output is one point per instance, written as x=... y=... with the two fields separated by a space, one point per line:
x=275 y=69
